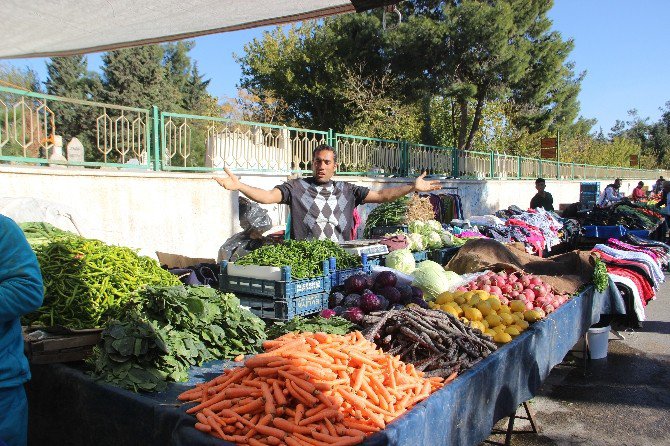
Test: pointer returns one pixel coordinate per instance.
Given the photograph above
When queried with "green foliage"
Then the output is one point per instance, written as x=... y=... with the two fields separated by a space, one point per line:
x=167 y=330
x=315 y=324
x=87 y=282
x=69 y=77
x=430 y=79
x=600 y=278
x=305 y=257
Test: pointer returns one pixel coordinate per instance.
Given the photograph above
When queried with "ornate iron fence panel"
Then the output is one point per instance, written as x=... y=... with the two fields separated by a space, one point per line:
x=432 y=159
x=358 y=155
x=38 y=128
x=474 y=164
x=191 y=142
x=507 y=166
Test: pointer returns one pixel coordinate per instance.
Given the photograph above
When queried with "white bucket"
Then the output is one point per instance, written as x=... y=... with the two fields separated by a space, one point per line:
x=597 y=338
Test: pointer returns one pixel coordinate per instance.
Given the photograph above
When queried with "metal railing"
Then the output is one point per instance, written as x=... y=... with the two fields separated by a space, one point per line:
x=116 y=136
x=205 y=143
x=32 y=126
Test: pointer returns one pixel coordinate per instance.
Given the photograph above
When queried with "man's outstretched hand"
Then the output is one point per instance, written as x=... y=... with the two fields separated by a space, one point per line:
x=421 y=185
x=230 y=183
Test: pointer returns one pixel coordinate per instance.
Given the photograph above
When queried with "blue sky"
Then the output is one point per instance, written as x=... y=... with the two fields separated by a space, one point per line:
x=622 y=45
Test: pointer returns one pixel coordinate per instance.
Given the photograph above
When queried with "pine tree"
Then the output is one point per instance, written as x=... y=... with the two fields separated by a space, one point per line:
x=69 y=77
x=136 y=77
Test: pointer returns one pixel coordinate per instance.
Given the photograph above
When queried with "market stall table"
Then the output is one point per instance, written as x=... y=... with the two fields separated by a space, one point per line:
x=68 y=407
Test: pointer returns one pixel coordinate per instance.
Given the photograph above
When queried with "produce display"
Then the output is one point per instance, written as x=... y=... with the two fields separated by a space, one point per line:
x=86 y=282
x=329 y=323
x=434 y=341
x=600 y=278
x=630 y=215
x=309 y=388
x=167 y=330
x=400 y=212
x=41 y=233
x=362 y=294
x=305 y=257
x=430 y=234
x=501 y=305
x=433 y=279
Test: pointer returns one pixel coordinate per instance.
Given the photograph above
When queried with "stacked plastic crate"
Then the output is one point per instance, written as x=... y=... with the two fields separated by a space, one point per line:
x=271 y=293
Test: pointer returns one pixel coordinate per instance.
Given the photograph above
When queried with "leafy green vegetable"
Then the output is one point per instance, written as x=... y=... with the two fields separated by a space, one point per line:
x=333 y=325
x=305 y=257
x=387 y=214
x=401 y=260
x=167 y=330
x=86 y=282
x=600 y=278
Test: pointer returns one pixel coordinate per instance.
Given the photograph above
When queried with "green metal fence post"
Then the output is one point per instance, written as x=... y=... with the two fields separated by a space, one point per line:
x=404 y=158
x=331 y=143
x=454 y=162
x=493 y=164
x=539 y=162
x=518 y=160
x=572 y=171
x=156 y=139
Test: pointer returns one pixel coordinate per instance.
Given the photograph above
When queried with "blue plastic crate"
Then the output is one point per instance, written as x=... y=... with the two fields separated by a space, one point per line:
x=376 y=261
x=285 y=288
x=285 y=309
x=420 y=256
x=642 y=233
x=442 y=256
x=337 y=277
x=604 y=232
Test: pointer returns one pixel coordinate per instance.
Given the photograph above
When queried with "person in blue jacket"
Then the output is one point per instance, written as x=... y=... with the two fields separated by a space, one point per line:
x=21 y=291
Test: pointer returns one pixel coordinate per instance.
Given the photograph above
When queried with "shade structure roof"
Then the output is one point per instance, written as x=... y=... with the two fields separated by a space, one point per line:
x=39 y=28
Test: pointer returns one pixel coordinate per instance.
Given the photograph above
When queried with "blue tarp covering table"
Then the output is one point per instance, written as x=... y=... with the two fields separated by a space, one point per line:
x=67 y=407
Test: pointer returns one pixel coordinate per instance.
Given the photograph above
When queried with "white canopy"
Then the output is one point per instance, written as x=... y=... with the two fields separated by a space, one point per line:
x=56 y=28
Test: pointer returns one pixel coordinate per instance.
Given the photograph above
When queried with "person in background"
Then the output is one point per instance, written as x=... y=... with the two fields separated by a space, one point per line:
x=658 y=187
x=638 y=192
x=611 y=194
x=542 y=198
x=322 y=208
x=21 y=292
x=665 y=201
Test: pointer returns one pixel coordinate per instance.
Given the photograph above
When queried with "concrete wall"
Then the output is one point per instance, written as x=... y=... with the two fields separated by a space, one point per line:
x=190 y=214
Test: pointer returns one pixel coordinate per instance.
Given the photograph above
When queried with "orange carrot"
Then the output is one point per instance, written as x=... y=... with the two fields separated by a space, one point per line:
x=328 y=413
x=299 y=412
x=203 y=427
x=269 y=399
x=289 y=427
x=303 y=384
x=278 y=395
x=348 y=441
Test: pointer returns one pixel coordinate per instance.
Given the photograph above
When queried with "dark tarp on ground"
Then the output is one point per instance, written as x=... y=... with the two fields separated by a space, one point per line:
x=482 y=254
x=67 y=407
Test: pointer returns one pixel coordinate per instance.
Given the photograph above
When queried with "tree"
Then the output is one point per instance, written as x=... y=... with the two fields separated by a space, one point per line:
x=136 y=77
x=69 y=77
x=475 y=52
x=448 y=61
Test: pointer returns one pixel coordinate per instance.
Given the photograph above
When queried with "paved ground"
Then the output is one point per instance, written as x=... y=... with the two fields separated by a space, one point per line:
x=623 y=400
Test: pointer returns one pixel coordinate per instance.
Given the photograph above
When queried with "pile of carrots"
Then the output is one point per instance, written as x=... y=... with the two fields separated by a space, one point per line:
x=309 y=389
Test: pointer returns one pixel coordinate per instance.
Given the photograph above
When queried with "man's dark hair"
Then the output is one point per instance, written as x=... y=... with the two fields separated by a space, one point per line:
x=540 y=180
x=324 y=147
x=641 y=183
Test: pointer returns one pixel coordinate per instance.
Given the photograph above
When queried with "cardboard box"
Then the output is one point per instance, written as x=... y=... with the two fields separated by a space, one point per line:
x=178 y=261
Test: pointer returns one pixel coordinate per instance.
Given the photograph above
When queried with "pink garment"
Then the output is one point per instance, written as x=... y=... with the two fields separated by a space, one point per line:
x=608 y=259
x=470 y=234
x=618 y=244
x=646 y=291
x=357 y=223
x=536 y=238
